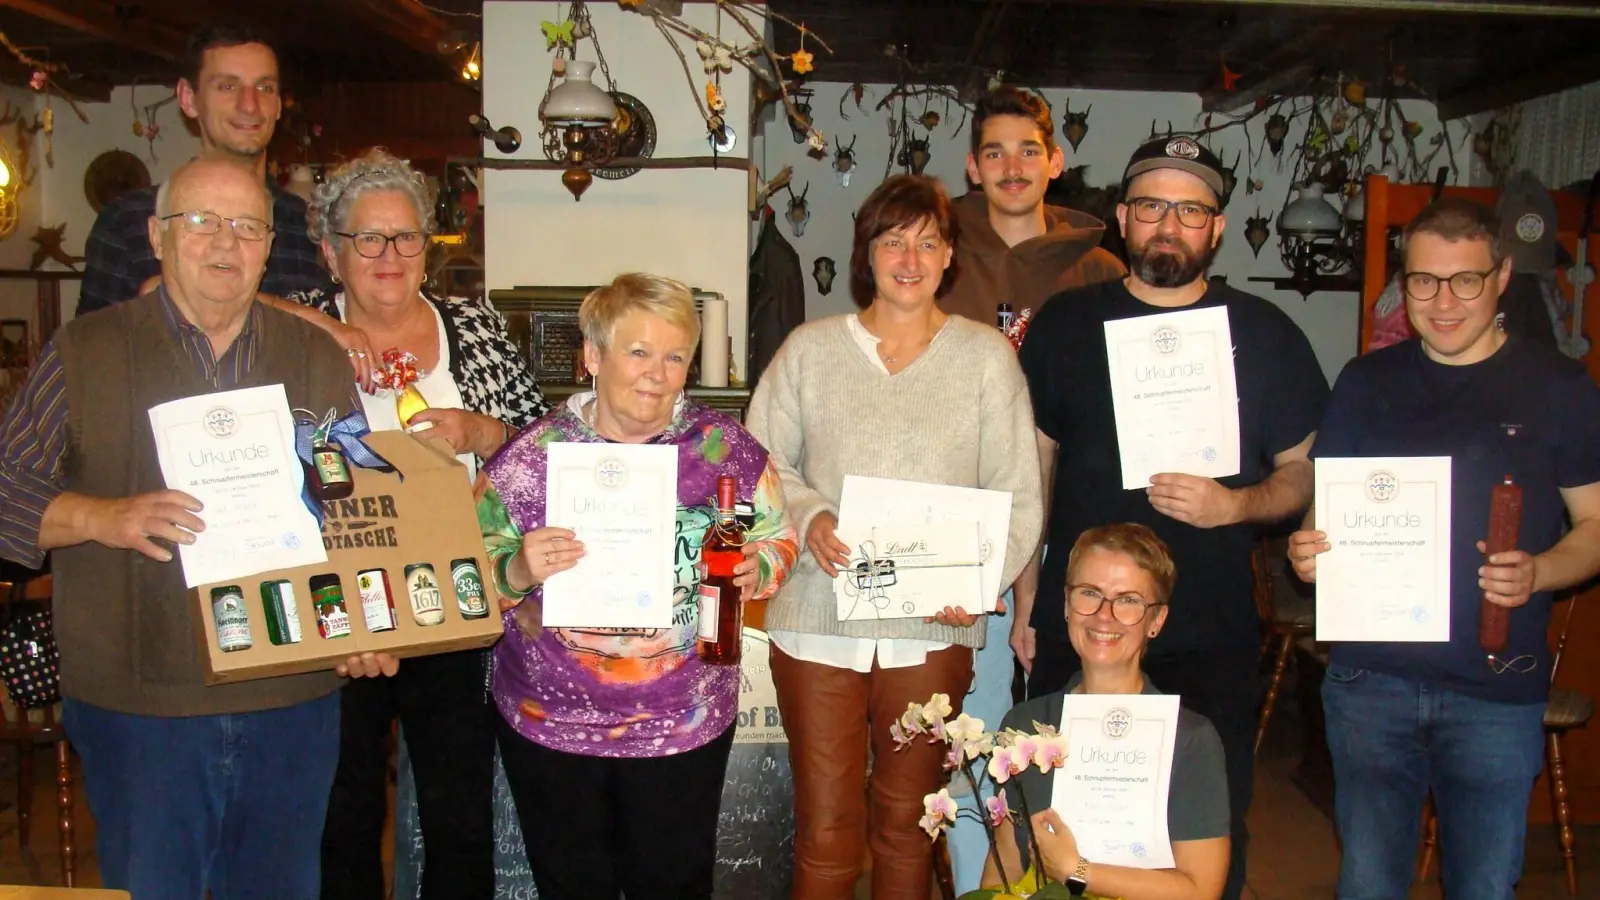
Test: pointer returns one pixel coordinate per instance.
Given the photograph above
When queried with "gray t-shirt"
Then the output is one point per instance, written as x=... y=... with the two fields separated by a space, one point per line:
x=1197 y=803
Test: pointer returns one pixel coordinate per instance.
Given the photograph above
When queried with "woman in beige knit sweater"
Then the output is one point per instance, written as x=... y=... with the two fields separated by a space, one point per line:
x=903 y=391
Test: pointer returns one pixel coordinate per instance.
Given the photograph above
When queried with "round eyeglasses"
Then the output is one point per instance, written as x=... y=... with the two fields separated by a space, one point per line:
x=1463 y=285
x=1151 y=210
x=372 y=244
x=1087 y=600
x=200 y=221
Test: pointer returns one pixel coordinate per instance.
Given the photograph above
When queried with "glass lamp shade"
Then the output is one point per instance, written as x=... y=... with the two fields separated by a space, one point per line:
x=577 y=100
x=1309 y=216
x=1355 y=206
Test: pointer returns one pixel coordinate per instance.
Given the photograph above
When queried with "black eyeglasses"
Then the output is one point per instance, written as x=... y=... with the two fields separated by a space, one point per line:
x=1151 y=210
x=372 y=244
x=1087 y=600
x=1464 y=285
x=200 y=221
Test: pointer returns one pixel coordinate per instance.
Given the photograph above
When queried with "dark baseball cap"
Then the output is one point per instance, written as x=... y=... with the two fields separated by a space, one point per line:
x=1179 y=152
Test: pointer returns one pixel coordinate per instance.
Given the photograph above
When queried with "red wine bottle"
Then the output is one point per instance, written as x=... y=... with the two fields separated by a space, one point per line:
x=721 y=631
x=1505 y=522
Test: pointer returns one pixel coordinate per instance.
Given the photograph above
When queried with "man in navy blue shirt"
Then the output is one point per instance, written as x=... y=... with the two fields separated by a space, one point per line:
x=1407 y=718
x=230 y=87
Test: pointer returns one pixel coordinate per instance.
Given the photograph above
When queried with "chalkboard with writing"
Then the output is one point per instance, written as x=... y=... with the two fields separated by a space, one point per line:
x=755 y=829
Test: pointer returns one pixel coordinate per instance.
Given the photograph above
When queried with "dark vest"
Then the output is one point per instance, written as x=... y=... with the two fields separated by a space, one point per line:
x=124 y=622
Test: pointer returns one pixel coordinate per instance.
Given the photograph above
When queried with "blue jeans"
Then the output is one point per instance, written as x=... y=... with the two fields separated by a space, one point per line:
x=232 y=803
x=1392 y=740
x=988 y=699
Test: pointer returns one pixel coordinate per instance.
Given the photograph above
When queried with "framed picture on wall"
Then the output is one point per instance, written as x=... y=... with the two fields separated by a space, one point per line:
x=15 y=351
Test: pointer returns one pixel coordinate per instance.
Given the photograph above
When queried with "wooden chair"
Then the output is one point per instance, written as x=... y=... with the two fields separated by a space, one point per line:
x=1288 y=617
x=28 y=729
x=1567 y=709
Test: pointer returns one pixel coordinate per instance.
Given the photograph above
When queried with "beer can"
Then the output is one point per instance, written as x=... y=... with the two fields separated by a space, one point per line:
x=470 y=596
x=232 y=621
x=327 y=597
x=422 y=583
x=377 y=602
x=283 y=618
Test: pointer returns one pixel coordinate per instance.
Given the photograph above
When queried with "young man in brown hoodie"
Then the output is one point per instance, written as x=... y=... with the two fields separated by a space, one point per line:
x=1012 y=248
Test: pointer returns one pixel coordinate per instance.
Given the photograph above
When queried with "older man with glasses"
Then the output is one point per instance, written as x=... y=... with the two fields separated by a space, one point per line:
x=1172 y=221
x=189 y=784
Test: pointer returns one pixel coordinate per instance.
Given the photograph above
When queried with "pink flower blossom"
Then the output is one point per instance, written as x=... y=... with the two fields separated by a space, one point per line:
x=939 y=812
x=1050 y=753
x=999 y=811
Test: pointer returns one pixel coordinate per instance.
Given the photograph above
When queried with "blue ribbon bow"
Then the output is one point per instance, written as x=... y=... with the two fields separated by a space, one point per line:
x=346 y=434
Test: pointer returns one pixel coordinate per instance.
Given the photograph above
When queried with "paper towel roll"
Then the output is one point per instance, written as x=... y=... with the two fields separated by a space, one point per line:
x=714 y=342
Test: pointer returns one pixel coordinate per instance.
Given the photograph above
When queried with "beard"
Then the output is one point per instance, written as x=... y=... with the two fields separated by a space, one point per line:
x=1168 y=262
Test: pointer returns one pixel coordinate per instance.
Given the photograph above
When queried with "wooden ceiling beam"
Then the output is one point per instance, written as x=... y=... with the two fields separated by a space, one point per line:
x=409 y=23
x=101 y=22
x=1563 y=73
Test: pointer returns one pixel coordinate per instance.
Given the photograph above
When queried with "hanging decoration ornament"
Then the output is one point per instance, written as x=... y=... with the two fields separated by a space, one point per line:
x=823 y=273
x=560 y=35
x=801 y=60
x=844 y=162
x=1074 y=125
x=1230 y=78
x=1277 y=131
x=798 y=211
x=1256 y=231
x=929 y=119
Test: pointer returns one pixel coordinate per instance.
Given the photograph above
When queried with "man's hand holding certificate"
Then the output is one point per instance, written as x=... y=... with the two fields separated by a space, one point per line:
x=1386 y=576
x=1174 y=394
x=234 y=452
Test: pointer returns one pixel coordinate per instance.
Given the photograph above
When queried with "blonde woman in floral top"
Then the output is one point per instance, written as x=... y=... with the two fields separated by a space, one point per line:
x=616 y=741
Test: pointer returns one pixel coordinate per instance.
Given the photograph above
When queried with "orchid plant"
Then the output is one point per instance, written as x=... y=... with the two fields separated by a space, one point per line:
x=1010 y=752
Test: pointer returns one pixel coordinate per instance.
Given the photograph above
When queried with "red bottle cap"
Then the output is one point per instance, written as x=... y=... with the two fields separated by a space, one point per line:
x=726 y=486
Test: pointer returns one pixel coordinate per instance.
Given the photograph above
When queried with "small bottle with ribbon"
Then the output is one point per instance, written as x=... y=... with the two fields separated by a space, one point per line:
x=399 y=373
x=328 y=473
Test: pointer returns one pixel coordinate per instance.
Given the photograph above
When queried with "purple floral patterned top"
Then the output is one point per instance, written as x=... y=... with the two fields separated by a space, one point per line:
x=626 y=692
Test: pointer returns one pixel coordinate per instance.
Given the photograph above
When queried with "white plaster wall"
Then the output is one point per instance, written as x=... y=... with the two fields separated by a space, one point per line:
x=688 y=224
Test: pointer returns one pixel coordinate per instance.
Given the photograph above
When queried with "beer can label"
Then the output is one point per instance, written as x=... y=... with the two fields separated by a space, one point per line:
x=423 y=586
x=291 y=612
x=333 y=622
x=376 y=605
x=233 y=623
x=710 y=601
x=470 y=595
x=331 y=467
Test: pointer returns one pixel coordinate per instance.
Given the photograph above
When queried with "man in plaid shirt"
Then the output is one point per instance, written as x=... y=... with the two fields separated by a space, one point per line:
x=230 y=87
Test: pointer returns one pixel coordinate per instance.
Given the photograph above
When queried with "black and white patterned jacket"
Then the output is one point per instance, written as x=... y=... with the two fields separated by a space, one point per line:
x=492 y=376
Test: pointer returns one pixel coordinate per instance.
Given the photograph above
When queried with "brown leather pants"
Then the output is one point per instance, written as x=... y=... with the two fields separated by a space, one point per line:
x=831 y=716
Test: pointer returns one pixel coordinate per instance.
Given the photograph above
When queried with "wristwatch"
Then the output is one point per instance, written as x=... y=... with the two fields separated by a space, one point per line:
x=1078 y=881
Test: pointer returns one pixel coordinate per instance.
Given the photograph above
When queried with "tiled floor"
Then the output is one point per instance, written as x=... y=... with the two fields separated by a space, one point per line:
x=1292 y=857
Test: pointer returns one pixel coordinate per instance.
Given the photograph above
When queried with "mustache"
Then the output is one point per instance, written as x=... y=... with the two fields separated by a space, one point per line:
x=1008 y=182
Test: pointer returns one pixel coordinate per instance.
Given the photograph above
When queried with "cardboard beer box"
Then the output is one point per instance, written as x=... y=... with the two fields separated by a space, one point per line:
x=390 y=522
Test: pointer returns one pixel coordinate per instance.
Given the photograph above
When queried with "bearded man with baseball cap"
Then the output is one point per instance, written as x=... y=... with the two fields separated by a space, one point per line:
x=1208 y=650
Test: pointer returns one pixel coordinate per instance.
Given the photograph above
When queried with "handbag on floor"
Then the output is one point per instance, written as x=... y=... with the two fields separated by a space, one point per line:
x=30 y=664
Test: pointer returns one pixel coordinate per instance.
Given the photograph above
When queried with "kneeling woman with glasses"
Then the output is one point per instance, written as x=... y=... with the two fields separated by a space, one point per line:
x=373 y=216
x=1119 y=578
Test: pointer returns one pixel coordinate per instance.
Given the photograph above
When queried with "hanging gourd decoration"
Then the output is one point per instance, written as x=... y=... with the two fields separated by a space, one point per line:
x=1277 y=130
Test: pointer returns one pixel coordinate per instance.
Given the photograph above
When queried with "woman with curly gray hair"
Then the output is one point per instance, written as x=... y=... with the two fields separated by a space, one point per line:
x=372 y=218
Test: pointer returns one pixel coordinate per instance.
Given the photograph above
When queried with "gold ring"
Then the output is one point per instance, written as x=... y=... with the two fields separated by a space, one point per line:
x=547 y=559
